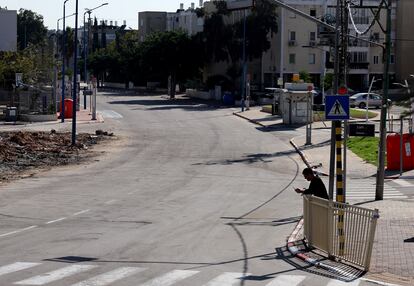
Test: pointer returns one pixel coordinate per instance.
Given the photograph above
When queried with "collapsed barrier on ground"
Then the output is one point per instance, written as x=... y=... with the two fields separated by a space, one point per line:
x=343 y=231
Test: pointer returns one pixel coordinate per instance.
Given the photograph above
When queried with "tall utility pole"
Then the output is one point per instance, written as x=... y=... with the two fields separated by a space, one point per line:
x=341 y=45
x=75 y=75
x=379 y=191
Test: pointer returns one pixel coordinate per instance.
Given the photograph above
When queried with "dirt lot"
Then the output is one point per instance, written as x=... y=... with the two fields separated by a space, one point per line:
x=23 y=152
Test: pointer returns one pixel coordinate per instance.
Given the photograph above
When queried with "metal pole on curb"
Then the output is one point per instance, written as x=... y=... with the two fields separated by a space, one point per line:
x=62 y=110
x=75 y=78
x=243 y=88
x=309 y=119
x=379 y=191
x=401 y=145
x=94 y=101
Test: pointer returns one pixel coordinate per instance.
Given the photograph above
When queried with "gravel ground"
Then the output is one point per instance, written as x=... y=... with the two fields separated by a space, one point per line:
x=24 y=151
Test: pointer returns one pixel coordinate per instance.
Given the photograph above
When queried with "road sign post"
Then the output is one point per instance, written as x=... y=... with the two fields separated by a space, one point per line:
x=337 y=107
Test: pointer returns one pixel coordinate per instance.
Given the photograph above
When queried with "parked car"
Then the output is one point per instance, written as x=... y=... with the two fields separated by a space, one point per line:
x=360 y=100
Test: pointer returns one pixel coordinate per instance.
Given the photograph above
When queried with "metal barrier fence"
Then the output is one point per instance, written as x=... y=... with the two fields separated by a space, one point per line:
x=322 y=229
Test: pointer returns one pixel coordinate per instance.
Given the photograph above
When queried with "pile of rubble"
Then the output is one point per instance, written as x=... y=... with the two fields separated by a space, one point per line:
x=23 y=151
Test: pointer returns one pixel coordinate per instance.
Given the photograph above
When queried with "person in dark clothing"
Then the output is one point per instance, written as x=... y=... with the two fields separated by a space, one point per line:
x=316 y=186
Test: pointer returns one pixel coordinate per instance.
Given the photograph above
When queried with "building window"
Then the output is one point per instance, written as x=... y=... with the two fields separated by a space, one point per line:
x=312 y=36
x=312 y=59
x=292 y=58
x=376 y=59
x=392 y=59
x=359 y=57
x=313 y=12
x=292 y=36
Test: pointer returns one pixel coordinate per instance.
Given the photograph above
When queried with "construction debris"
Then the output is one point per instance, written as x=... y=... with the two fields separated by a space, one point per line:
x=24 y=151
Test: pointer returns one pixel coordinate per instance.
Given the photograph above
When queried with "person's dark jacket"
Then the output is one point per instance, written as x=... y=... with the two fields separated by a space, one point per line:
x=317 y=188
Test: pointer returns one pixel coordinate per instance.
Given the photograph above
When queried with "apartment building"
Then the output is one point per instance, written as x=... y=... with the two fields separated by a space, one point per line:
x=404 y=44
x=297 y=46
x=150 y=22
x=186 y=20
x=8 y=30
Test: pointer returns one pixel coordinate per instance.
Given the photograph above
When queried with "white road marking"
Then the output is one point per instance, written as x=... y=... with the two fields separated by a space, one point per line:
x=286 y=280
x=110 y=277
x=56 y=220
x=403 y=183
x=110 y=114
x=56 y=275
x=17 y=231
x=110 y=202
x=170 y=278
x=16 y=267
x=81 y=212
x=227 y=279
x=341 y=283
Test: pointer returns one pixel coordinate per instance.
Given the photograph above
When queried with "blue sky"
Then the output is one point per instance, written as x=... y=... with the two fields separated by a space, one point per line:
x=117 y=10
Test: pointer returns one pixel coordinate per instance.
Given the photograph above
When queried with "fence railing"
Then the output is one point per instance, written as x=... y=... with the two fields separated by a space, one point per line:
x=341 y=230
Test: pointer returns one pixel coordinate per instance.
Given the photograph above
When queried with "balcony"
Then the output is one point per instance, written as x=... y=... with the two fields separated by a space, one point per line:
x=359 y=66
x=292 y=43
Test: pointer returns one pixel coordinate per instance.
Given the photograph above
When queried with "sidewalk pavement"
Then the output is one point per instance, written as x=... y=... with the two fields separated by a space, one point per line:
x=83 y=116
x=393 y=250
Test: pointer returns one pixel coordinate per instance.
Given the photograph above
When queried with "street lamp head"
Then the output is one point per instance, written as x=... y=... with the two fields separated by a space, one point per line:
x=411 y=75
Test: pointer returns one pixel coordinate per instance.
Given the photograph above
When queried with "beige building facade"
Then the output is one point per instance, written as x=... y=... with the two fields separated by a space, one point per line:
x=297 y=46
x=150 y=22
x=404 y=44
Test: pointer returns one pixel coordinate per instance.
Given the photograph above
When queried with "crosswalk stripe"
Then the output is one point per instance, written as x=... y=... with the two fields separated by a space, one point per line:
x=170 y=278
x=341 y=283
x=403 y=183
x=55 y=275
x=17 y=266
x=286 y=280
x=227 y=279
x=109 y=277
x=110 y=114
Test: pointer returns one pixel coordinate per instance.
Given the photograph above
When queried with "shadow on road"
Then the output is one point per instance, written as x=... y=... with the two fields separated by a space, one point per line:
x=343 y=272
x=159 y=103
x=250 y=159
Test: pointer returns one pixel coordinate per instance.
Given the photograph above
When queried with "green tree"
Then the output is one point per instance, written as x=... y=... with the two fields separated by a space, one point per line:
x=304 y=75
x=30 y=29
x=170 y=54
x=69 y=44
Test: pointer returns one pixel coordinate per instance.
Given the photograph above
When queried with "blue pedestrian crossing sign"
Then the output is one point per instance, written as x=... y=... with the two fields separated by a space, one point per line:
x=337 y=107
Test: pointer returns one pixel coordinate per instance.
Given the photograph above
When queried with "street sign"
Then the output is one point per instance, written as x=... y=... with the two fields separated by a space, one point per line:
x=358 y=129
x=337 y=107
x=19 y=79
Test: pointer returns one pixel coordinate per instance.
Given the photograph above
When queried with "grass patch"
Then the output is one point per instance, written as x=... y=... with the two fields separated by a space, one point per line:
x=361 y=114
x=365 y=147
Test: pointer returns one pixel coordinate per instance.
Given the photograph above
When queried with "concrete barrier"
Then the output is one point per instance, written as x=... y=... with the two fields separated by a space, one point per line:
x=193 y=93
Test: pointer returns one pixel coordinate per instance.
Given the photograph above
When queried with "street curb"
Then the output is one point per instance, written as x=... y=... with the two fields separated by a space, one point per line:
x=291 y=246
x=248 y=119
x=304 y=158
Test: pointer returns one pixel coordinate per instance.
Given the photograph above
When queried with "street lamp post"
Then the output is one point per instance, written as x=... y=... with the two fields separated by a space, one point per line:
x=75 y=69
x=62 y=109
x=86 y=40
x=369 y=93
x=63 y=53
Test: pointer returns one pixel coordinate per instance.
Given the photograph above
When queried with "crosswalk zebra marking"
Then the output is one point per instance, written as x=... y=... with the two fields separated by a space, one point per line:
x=17 y=266
x=110 y=277
x=286 y=280
x=341 y=283
x=170 y=278
x=403 y=183
x=56 y=275
x=110 y=114
x=227 y=279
